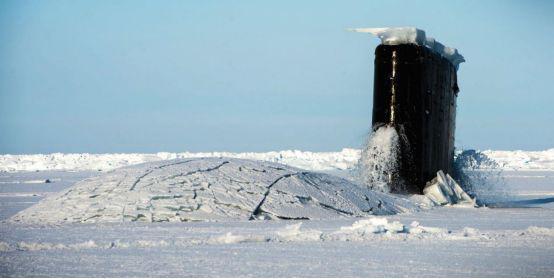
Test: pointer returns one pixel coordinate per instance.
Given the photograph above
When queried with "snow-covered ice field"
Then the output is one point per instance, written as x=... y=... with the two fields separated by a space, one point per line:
x=514 y=236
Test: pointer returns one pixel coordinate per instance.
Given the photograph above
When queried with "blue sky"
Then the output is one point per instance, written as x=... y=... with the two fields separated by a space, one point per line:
x=148 y=76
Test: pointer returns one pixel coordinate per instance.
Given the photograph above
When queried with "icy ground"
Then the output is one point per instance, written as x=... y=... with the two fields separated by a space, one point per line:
x=512 y=237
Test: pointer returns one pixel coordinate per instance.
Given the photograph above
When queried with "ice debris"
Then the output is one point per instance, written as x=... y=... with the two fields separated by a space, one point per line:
x=444 y=190
x=368 y=229
x=293 y=233
x=412 y=35
x=373 y=225
x=540 y=231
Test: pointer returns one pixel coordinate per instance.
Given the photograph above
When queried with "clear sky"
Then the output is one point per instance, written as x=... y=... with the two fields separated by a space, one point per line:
x=148 y=76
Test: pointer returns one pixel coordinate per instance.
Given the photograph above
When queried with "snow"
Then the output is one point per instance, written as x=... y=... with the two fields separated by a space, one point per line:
x=412 y=35
x=360 y=230
x=540 y=231
x=371 y=226
x=457 y=242
x=294 y=233
x=211 y=189
x=513 y=238
x=341 y=161
x=523 y=160
x=315 y=161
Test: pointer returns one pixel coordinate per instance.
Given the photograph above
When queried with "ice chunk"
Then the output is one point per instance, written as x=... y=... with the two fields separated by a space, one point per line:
x=444 y=190
x=540 y=231
x=372 y=226
x=412 y=35
x=396 y=35
x=4 y=247
x=230 y=238
x=416 y=228
x=293 y=233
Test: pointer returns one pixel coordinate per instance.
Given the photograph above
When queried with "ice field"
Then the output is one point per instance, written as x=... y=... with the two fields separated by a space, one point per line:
x=511 y=236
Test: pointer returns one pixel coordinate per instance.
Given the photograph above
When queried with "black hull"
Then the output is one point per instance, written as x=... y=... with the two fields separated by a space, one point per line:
x=415 y=90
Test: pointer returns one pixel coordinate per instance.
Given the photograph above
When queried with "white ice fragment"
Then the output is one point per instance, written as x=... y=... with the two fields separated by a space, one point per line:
x=293 y=233
x=151 y=243
x=444 y=190
x=416 y=228
x=83 y=245
x=470 y=232
x=396 y=35
x=435 y=193
x=229 y=238
x=412 y=35
x=34 y=246
x=373 y=226
x=35 y=181
x=541 y=231
x=4 y=247
x=119 y=244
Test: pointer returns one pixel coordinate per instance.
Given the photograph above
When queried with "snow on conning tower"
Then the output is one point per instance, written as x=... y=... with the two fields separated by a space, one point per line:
x=415 y=90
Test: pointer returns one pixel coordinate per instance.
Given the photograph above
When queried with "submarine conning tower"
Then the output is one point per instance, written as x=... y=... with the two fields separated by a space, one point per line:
x=415 y=91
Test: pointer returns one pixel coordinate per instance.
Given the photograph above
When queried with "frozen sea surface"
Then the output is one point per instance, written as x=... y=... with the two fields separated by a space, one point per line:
x=515 y=238
x=20 y=190
x=456 y=242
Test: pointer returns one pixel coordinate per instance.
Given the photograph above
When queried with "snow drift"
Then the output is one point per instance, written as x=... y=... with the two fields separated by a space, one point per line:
x=210 y=189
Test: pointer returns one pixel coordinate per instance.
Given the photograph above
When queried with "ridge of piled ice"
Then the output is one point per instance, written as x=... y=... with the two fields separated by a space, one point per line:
x=210 y=189
x=315 y=161
x=412 y=35
x=346 y=159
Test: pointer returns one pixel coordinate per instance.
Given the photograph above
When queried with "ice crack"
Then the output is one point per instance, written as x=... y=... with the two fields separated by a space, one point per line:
x=156 y=168
x=258 y=208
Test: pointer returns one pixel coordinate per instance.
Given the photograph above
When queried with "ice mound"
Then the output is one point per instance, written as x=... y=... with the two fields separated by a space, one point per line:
x=210 y=189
